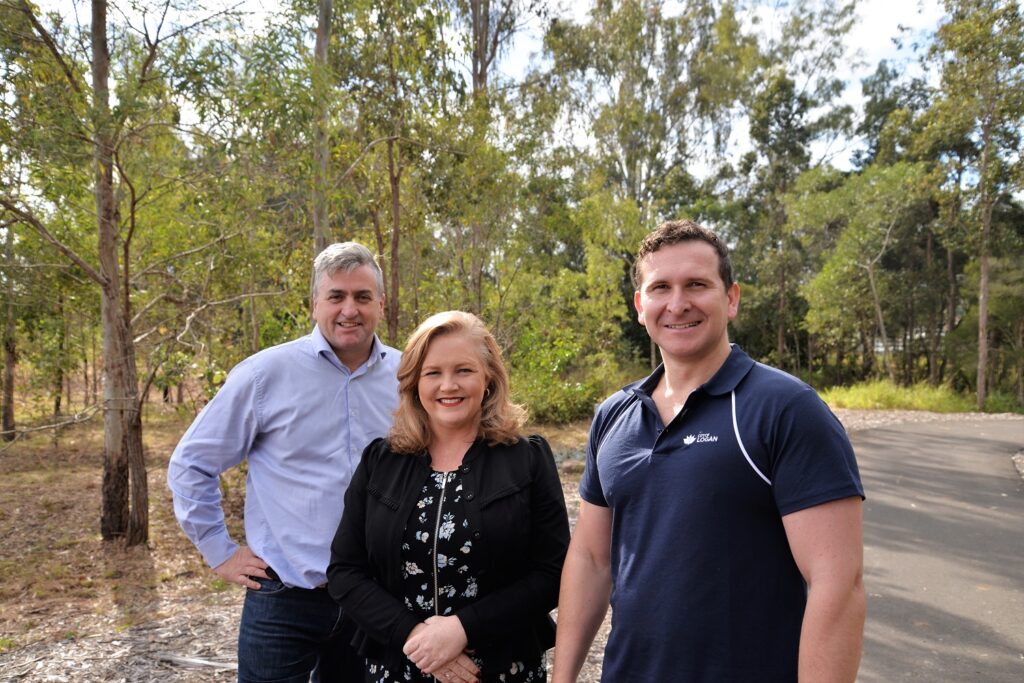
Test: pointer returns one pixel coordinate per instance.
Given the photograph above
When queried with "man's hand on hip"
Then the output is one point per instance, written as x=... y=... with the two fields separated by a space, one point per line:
x=241 y=567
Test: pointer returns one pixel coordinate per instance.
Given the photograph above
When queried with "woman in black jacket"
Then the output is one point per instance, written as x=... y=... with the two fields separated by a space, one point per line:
x=450 y=549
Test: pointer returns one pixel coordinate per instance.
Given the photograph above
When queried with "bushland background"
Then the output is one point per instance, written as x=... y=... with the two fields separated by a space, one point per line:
x=169 y=169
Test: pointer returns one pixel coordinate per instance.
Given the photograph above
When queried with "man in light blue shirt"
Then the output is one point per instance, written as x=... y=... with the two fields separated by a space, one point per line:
x=300 y=413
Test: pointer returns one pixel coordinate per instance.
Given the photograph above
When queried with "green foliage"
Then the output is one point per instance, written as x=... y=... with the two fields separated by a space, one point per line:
x=885 y=395
x=1003 y=402
x=548 y=363
x=551 y=399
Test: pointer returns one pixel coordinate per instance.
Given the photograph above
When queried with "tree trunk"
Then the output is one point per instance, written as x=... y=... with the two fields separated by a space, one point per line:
x=934 y=316
x=7 y=425
x=780 y=322
x=394 y=177
x=254 y=322
x=94 y=388
x=1020 y=364
x=123 y=454
x=480 y=11
x=84 y=358
x=951 y=300
x=796 y=352
x=908 y=344
x=57 y=388
x=10 y=361
x=415 y=284
x=986 y=227
x=812 y=348
x=321 y=150
x=880 y=319
x=840 y=361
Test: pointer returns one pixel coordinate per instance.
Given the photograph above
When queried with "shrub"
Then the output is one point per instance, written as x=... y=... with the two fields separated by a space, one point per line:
x=555 y=400
x=883 y=394
x=1002 y=402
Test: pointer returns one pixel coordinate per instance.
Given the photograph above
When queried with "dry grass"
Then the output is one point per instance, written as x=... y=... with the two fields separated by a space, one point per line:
x=58 y=579
x=564 y=439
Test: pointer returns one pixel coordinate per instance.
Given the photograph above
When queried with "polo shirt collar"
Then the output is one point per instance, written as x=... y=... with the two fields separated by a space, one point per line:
x=732 y=372
x=647 y=385
x=736 y=366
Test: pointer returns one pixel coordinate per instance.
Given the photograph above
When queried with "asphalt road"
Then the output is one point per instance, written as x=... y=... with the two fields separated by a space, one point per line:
x=944 y=552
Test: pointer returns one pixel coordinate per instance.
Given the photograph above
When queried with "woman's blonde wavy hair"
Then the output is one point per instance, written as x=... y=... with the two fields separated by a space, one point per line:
x=501 y=419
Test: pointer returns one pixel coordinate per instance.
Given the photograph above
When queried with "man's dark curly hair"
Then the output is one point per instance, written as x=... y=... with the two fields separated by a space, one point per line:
x=675 y=232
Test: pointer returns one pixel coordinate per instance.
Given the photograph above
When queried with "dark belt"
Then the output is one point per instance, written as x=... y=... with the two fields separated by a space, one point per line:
x=271 y=574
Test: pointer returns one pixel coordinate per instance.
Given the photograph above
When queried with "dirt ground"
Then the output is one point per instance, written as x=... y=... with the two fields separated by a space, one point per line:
x=76 y=608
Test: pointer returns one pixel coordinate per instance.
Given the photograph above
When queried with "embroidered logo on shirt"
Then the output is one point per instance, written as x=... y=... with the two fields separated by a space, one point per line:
x=702 y=437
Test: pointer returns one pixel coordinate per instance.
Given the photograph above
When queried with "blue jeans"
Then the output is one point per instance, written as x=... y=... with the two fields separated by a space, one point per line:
x=294 y=635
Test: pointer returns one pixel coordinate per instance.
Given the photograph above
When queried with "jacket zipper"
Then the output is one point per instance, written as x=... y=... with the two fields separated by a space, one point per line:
x=437 y=530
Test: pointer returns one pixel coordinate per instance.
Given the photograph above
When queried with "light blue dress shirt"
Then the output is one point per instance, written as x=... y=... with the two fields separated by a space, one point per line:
x=302 y=419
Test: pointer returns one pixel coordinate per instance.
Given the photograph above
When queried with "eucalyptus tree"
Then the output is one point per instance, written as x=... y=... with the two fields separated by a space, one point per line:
x=321 y=81
x=488 y=27
x=647 y=84
x=980 y=50
x=94 y=110
x=394 y=65
x=794 y=106
x=476 y=189
x=650 y=88
x=898 y=126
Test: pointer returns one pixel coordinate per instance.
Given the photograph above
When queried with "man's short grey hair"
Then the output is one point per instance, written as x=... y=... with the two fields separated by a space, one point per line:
x=343 y=256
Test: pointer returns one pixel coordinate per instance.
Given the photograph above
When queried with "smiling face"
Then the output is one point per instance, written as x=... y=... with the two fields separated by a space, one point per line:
x=684 y=304
x=451 y=384
x=347 y=308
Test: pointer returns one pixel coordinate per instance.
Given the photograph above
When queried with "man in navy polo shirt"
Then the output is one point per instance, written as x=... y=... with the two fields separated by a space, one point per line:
x=721 y=503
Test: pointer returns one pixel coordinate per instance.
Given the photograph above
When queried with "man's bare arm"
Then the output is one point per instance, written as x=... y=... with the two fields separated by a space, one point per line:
x=828 y=545
x=585 y=589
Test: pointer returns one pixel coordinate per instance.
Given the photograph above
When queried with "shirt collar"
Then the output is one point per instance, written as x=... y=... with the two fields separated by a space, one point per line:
x=736 y=366
x=322 y=347
x=733 y=370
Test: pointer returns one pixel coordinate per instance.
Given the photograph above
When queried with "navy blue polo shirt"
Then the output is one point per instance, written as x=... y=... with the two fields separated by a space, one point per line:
x=705 y=587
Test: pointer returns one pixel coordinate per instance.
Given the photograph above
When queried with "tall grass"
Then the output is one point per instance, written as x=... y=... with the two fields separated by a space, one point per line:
x=883 y=394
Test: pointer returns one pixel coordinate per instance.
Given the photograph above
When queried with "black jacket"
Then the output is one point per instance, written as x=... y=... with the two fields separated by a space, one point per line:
x=517 y=512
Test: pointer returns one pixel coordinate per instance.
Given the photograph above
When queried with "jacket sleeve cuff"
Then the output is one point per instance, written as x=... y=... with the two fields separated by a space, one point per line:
x=471 y=624
x=407 y=622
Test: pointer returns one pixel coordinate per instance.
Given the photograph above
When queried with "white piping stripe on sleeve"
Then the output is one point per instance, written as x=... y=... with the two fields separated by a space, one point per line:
x=736 y=429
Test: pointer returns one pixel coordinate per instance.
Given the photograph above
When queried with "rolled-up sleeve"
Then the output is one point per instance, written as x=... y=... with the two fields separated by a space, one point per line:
x=219 y=439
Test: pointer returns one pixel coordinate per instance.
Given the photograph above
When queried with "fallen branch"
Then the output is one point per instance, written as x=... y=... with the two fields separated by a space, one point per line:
x=192 y=661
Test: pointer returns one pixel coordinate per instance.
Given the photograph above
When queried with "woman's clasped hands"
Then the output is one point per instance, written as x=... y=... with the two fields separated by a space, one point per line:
x=437 y=647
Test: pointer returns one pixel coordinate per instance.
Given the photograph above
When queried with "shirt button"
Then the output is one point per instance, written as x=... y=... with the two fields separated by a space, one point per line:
x=470 y=496
x=476 y=535
x=464 y=469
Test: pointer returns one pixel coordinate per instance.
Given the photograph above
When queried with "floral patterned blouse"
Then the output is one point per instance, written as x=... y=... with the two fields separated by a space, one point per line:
x=440 y=575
